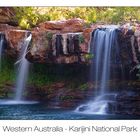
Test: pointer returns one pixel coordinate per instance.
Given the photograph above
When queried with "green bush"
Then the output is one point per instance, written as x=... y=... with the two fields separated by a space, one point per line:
x=28 y=17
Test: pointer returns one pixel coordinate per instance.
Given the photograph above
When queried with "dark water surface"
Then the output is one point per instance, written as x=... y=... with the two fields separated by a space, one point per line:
x=42 y=112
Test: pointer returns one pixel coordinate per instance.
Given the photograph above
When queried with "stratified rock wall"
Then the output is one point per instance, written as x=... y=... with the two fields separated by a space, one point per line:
x=68 y=42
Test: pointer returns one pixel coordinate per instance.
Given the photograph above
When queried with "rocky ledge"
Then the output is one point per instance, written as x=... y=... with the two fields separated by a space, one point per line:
x=52 y=42
x=58 y=95
x=67 y=42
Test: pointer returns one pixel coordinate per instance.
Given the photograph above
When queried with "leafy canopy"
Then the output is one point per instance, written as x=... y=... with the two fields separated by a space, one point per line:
x=28 y=17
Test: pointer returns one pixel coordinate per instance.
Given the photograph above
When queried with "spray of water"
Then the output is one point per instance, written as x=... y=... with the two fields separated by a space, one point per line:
x=102 y=43
x=1 y=47
x=23 y=69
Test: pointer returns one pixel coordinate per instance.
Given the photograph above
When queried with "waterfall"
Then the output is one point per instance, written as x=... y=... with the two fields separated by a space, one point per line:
x=22 y=75
x=103 y=42
x=22 y=70
x=1 y=47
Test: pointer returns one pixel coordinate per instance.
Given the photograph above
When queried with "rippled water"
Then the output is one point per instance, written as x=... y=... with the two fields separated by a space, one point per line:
x=42 y=112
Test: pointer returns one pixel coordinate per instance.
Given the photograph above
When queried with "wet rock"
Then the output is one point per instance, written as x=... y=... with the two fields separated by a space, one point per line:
x=42 y=46
x=43 y=49
x=67 y=104
x=67 y=60
x=83 y=108
x=39 y=48
x=128 y=96
x=15 y=39
x=127 y=103
x=57 y=95
x=58 y=85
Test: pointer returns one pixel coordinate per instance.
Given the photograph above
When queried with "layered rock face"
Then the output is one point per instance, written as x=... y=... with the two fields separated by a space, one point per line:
x=57 y=48
x=72 y=25
x=53 y=42
x=68 y=42
x=65 y=43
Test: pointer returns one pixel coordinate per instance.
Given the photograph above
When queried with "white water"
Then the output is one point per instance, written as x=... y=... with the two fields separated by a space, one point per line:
x=1 y=48
x=23 y=69
x=98 y=105
x=14 y=102
x=22 y=74
x=103 y=42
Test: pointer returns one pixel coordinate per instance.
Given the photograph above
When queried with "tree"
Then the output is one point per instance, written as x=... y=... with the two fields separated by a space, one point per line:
x=28 y=17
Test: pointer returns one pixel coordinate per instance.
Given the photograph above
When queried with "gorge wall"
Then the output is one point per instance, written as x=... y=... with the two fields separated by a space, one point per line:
x=68 y=42
x=65 y=34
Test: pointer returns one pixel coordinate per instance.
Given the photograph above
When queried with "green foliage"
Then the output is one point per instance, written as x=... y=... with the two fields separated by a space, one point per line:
x=49 y=35
x=28 y=17
x=66 y=97
x=74 y=76
x=118 y=14
x=25 y=17
x=83 y=86
x=138 y=73
x=81 y=39
x=89 y=56
x=7 y=74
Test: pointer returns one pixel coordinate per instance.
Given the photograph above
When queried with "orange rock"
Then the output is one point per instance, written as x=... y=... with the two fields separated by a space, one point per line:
x=15 y=38
x=67 y=59
x=86 y=34
x=72 y=25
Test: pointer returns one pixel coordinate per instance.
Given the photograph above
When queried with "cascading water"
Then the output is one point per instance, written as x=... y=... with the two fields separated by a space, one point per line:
x=22 y=70
x=102 y=43
x=1 y=46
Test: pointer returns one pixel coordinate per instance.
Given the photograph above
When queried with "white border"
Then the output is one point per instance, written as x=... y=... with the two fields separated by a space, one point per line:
x=65 y=136
x=69 y=2
x=68 y=135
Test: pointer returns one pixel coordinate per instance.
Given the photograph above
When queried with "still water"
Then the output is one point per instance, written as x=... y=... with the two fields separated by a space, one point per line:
x=42 y=112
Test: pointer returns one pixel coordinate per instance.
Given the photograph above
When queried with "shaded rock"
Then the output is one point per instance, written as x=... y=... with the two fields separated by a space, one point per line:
x=44 y=49
x=6 y=27
x=124 y=41
x=127 y=103
x=58 y=85
x=67 y=104
x=57 y=60
x=83 y=108
x=67 y=60
x=6 y=15
x=40 y=47
x=129 y=96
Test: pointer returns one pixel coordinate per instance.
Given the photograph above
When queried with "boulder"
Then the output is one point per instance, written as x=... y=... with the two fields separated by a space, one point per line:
x=71 y=25
x=15 y=39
